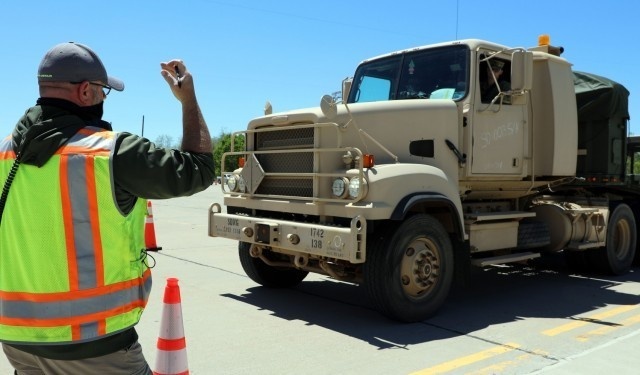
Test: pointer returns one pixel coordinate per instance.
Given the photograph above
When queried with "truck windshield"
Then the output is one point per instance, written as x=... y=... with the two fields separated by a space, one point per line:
x=437 y=73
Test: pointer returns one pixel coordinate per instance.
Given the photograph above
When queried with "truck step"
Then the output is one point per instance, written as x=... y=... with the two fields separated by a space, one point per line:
x=501 y=259
x=575 y=245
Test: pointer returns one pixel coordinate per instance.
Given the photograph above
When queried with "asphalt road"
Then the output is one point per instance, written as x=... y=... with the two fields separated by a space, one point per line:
x=523 y=319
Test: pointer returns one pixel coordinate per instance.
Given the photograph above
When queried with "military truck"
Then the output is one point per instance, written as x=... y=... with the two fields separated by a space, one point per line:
x=414 y=176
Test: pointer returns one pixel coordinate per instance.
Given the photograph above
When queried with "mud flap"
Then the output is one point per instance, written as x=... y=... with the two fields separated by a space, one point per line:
x=462 y=262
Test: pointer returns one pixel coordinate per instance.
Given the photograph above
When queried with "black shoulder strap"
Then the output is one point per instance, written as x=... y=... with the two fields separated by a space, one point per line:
x=7 y=184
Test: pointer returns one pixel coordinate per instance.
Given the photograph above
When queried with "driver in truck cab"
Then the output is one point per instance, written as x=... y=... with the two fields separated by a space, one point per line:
x=492 y=80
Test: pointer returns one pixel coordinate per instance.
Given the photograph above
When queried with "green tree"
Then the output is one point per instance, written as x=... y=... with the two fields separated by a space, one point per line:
x=222 y=145
x=164 y=141
x=636 y=166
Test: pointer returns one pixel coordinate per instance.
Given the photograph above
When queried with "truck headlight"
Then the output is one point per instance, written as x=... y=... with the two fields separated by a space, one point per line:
x=355 y=187
x=339 y=187
x=241 y=184
x=232 y=183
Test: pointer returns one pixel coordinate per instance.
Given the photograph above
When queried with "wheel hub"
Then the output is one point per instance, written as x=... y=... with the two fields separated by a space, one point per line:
x=420 y=266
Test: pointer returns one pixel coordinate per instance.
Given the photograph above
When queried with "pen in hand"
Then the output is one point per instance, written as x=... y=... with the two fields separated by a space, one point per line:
x=179 y=76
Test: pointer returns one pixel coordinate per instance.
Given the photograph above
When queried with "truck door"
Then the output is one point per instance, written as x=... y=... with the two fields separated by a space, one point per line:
x=498 y=125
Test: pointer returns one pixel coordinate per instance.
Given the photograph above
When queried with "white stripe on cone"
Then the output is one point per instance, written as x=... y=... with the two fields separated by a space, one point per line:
x=171 y=362
x=171 y=312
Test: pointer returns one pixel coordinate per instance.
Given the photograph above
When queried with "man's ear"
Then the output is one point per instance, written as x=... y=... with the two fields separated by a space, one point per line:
x=83 y=93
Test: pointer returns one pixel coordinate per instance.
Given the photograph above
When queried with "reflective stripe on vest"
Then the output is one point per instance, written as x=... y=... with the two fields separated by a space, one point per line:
x=100 y=283
x=71 y=307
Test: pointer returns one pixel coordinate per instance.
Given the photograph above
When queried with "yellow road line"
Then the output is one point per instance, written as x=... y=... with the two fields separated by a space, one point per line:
x=500 y=367
x=467 y=360
x=579 y=323
x=606 y=329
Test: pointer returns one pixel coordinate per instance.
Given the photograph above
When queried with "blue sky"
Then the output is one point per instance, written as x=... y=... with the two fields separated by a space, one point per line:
x=243 y=53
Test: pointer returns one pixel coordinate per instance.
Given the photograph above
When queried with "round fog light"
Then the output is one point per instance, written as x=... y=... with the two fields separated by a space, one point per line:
x=339 y=187
x=355 y=187
x=241 y=184
x=232 y=183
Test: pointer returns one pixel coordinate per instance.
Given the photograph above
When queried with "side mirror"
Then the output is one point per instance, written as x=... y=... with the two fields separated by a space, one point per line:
x=521 y=71
x=346 y=88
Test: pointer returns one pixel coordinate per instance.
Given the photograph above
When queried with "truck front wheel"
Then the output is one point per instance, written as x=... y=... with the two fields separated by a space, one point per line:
x=409 y=271
x=266 y=275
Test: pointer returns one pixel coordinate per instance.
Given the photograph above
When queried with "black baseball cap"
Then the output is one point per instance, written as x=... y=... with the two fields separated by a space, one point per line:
x=74 y=62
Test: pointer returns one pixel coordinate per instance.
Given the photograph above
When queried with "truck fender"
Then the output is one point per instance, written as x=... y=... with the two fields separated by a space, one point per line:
x=415 y=201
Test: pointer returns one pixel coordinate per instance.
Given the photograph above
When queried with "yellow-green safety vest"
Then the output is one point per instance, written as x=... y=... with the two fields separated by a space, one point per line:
x=72 y=265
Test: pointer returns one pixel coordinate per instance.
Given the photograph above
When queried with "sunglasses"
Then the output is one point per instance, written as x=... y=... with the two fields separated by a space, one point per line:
x=105 y=89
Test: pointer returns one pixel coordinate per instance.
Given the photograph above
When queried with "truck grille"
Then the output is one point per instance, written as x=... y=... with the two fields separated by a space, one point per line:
x=296 y=162
x=287 y=186
x=288 y=138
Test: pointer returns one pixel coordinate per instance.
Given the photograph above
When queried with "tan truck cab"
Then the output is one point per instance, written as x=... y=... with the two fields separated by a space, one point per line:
x=439 y=158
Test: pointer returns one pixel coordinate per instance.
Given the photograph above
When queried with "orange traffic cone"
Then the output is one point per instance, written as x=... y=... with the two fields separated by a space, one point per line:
x=172 y=347
x=149 y=231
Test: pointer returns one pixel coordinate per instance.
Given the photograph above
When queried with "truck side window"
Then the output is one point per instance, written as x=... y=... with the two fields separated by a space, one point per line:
x=494 y=78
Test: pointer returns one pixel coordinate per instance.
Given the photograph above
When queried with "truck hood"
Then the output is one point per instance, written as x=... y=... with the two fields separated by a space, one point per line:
x=314 y=114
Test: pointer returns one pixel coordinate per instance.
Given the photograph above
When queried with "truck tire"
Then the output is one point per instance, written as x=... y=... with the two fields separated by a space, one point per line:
x=617 y=256
x=409 y=272
x=266 y=275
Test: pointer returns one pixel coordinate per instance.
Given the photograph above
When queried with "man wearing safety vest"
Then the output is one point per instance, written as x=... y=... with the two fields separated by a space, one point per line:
x=73 y=273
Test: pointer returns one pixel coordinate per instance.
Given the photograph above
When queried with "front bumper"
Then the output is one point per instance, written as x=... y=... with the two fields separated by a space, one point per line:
x=333 y=242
